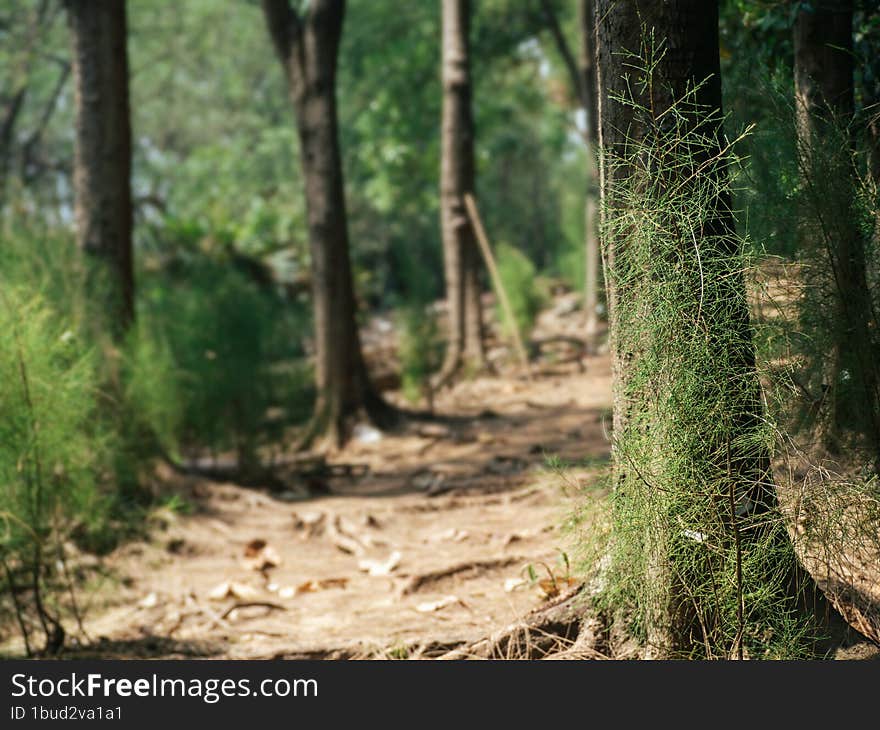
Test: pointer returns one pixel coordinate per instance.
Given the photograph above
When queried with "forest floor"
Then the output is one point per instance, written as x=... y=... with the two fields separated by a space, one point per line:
x=404 y=544
x=420 y=544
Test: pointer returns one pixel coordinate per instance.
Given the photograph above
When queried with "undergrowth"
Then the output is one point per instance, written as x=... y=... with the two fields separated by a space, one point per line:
x=215 y=361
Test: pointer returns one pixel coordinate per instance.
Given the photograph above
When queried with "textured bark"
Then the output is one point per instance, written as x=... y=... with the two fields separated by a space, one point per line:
x=461 y=258
x=102 y=164
x=823 y=72
x=823 y=65
x=689 y=29
x=307 y=46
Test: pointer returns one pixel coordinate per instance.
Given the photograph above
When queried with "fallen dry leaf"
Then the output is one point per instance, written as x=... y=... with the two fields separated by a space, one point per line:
x=312 y=586
x=259 y=555
x=370 y=521
x=231 y=589
x=380 y=567
x=311 y=524
x=552 y=588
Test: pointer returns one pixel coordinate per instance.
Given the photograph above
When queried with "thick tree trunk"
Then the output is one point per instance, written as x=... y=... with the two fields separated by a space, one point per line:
x=102 y=165
x=688 y=30
x=823 y=72
x=464 y=346
x=307 y=47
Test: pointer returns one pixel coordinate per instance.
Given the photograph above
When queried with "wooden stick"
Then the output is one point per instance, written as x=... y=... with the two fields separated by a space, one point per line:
x=486 y=250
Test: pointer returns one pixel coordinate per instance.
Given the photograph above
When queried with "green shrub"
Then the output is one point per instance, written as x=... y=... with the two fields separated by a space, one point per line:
x=420 y=350
x=54 y=455
x=214 y=350
x=525 y=290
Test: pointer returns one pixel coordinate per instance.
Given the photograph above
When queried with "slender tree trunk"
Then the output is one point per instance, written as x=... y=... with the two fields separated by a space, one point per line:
x=823 y=72
x=464 y=346
x=591 y=236
x=307 y=47
x=583 y=79
x=102 y=164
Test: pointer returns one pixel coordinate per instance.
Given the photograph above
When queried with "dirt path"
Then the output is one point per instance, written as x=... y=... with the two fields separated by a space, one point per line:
x=449 y=517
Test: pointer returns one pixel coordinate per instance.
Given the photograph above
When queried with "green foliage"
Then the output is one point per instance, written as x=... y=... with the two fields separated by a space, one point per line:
x=216 y=346
x=55 y=455
x=420 y=350
x=526 y=291
x=805 y=205
x=213 y=352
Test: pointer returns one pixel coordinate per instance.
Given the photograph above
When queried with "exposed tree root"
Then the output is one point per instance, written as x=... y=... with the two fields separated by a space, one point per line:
x=561 y=629
x=420 y=582
x=306 y=472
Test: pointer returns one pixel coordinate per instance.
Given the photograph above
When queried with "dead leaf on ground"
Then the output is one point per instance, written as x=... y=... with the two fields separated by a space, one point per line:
x=439 y=604
x=321 y=584
x=232 y=589
x=370 y=521
x=260 y=555
x=551 y=588
x=381 y=567
x=311 y=524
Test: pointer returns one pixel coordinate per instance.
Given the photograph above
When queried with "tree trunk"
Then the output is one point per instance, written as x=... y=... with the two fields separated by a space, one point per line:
x=583 y=80
x=464 y=346
x=307 y=47
x=591 y=236
x=102 y=164
x=823 y=72
x=655 y=433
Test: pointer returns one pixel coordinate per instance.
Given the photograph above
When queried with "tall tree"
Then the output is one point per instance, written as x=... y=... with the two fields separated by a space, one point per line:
x=687 y=408
x=102 y=164
x=582 y=72
x=824 y=95
x=307 y=45
x=461 y=257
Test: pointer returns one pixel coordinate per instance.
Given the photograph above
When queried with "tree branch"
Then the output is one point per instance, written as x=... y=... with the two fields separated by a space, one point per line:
x=48 y=110
x=552 y=23
x=285 y=28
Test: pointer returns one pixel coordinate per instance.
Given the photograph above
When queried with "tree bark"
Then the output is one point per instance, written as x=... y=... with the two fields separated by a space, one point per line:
x=307 y=47
x=689 y=30
x=824 y=95
x=464 y=346
x=102 y=161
